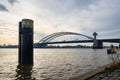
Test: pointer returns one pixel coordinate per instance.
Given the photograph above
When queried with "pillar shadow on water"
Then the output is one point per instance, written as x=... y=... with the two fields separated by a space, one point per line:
x=24 y=73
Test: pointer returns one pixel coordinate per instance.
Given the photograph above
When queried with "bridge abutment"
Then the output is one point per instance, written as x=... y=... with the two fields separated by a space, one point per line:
x=98 y=44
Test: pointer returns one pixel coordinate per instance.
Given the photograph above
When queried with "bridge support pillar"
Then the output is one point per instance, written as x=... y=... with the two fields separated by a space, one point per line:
x=25 y=42
x=98 y=44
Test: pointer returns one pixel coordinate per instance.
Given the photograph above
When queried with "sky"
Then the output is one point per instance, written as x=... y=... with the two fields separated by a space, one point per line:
x=50 y=16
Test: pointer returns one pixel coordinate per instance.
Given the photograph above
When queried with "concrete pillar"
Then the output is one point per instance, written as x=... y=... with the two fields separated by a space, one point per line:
x=95 y=43
x=98 y=45
x=26 y=57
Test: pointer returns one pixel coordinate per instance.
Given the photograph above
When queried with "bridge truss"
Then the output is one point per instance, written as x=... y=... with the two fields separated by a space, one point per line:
x=59 y=34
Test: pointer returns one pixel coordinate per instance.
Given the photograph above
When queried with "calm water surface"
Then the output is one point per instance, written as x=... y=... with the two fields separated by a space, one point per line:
x=51 y=64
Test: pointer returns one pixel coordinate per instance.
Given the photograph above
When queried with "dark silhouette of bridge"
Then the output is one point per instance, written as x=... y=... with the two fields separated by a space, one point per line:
x=97 y=43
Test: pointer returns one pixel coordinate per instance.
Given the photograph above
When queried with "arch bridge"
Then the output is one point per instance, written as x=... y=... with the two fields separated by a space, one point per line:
x=97 y=43
x=50 y=37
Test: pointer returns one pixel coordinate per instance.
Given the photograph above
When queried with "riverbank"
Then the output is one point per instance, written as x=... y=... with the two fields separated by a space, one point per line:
x=108 y=72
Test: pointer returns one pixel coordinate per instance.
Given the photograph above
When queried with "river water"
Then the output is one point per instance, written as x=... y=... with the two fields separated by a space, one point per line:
x=51 y=64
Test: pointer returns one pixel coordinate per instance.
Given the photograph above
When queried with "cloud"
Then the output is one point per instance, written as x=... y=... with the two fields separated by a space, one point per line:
x=62 y=6
x=12 y=1
x=105 y=16
x=81 y=16
x=3 y=8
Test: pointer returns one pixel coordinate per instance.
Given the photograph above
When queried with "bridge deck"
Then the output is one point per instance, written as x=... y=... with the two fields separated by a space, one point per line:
x=86 y=41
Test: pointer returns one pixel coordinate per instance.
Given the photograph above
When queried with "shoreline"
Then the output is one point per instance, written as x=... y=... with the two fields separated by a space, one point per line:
x=101 y=70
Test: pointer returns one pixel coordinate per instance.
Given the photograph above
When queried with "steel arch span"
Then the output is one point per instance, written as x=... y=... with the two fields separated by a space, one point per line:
x=59 y=34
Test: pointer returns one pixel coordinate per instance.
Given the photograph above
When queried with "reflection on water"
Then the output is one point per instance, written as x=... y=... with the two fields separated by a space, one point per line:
x=51 y=64
x=24 y=73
